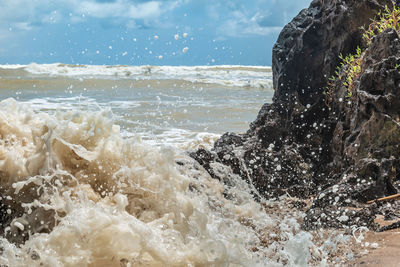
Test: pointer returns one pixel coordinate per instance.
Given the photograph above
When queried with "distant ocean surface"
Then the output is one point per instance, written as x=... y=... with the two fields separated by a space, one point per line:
x=183 y=105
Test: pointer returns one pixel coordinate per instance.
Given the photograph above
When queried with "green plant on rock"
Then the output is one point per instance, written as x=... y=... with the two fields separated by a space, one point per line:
x=328 y=92
x=348 y=71
x=387 y=19
x=350 y=66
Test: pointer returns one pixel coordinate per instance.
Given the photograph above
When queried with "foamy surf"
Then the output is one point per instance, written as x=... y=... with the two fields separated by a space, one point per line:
x=161 y=106
x=78 y=194
x=223 y=75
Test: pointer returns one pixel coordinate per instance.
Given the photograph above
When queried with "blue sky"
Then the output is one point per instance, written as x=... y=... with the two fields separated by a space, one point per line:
x=140 y=32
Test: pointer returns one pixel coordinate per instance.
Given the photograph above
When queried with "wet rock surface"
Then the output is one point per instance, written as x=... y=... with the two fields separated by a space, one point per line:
x=3 y=216
x=308 y=47
x=365 y=147
x=339 y=154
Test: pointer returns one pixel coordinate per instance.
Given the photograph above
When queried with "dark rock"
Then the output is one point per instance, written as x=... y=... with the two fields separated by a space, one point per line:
x=367 y=136
x=344 y=152
x=5 y=212
x=205 y=157
x=369 y=129
x=307 y=49
x=291 y=138
x=3 y=215
x=12 y=211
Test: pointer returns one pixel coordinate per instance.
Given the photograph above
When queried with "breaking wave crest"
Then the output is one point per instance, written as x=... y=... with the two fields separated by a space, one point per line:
x=224 y=75
x=76 y=193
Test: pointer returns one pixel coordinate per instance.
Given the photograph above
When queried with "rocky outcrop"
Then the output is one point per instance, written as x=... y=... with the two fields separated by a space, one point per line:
x=368 y=127
x=308 y=47
x=365 y=147
x=342 y=153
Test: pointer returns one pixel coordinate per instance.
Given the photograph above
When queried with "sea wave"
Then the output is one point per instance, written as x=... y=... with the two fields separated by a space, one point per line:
x=225 y=75
x=75 y=193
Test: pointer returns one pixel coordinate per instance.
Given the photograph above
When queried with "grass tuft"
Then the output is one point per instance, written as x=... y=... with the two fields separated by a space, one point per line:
x=350 y=66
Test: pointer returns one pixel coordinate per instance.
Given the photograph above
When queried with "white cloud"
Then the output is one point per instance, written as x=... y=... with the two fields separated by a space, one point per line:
x=238 y=18
x=99 y=10
x=149 y=10
x=22 y=26
x=52 y=17
x=239 y=25
x=120 y=9
x=213 y=11
x=25 y=14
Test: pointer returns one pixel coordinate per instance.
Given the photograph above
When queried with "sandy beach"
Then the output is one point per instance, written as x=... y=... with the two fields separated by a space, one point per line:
x=388 y=252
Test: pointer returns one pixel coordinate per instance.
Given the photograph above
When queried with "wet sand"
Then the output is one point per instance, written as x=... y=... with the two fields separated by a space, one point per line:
x=388 y=252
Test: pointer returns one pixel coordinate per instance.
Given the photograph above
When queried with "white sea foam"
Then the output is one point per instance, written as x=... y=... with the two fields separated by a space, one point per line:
x=179 y=138
x=157 y=103
x=12 y=66
x=226 y=75
x=92 y=198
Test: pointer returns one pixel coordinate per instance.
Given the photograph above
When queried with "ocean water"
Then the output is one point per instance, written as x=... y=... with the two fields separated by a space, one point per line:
x=162 y=105
x=94 y=171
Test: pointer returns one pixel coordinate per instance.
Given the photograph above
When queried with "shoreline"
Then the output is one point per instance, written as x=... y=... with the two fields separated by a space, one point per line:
x=386 y=254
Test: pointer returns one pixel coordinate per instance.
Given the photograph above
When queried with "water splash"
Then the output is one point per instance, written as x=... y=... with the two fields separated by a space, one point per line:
x=78 y=194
